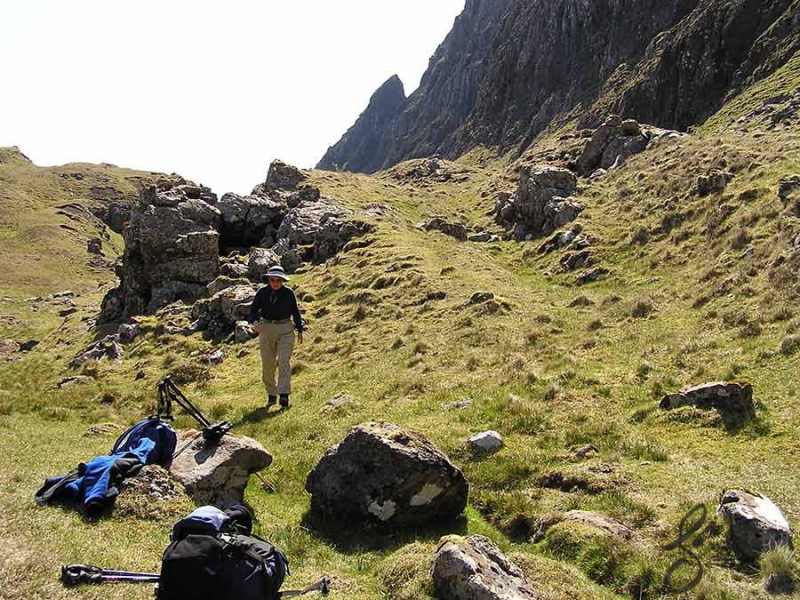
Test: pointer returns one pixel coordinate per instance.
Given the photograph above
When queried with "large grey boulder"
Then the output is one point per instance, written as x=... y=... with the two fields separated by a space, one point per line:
x=386 y=477
x=755 y=523
x=233 y=268
x=733 y=400
x=541 y=204
x=217 y=474
x=474 y=568
x=171 y=250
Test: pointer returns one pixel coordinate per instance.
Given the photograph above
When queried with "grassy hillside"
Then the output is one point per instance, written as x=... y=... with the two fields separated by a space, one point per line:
x=45 y=222
x=547 y=363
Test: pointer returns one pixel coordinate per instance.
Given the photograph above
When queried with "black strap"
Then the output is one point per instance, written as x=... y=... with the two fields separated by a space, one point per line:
x=50 y=492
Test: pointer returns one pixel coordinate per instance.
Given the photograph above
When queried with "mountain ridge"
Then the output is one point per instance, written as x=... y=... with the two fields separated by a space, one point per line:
x=509 y=70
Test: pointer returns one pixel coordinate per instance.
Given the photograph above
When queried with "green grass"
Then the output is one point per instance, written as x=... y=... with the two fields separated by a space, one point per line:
x=681 y=307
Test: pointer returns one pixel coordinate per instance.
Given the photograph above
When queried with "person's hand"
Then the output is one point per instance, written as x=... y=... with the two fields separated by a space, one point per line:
x=300 y=337
x=257 y=329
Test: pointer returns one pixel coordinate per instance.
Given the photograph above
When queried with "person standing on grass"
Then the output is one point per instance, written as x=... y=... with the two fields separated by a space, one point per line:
x=273 y=310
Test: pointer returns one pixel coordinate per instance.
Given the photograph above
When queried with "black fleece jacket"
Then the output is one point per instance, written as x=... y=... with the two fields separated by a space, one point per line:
x=276 y=305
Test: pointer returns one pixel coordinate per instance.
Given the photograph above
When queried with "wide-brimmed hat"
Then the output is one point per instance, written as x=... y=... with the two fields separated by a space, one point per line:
x=275 y=272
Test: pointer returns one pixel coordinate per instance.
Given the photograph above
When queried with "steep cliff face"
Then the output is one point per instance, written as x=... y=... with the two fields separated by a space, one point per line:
x=364 y=143
x=691 y=69
x=510 y=68
x=551 y=55
x=444 y=99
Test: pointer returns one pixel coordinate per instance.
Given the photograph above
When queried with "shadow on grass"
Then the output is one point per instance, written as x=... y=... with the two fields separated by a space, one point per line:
x=260 y=414
x=349 y=538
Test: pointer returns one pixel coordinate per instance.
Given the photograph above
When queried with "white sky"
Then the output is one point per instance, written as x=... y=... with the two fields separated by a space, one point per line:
x=213 y=90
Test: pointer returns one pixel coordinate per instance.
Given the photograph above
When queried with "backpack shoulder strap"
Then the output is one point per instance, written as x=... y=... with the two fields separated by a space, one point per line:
x=123 y=441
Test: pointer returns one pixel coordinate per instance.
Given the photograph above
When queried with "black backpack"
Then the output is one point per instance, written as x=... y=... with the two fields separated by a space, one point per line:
x=214 y=555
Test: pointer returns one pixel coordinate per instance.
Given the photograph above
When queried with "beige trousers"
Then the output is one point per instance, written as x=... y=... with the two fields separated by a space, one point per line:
x=276 y=341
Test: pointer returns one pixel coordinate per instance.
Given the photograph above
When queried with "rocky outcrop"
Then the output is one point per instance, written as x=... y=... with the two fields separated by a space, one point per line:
x=456 y=230
x=755 y=523
x=540 y=204
x=474 y=568
x=615 y=141
x=713 y=182
x=108 y=347
x=510 y=68
x=281 y=176
x=734 y=401
x=250 y=220
x=315 y=232
x=362 y=146
x=219 y=315
x=385 y=477
x=171 y=250
x=217 y=473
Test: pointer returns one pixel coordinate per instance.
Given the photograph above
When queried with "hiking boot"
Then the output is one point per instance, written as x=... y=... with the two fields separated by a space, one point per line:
x=285 y=400
x=271 y=399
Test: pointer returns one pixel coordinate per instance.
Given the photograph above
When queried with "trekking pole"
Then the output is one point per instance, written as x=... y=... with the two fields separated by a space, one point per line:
x=72 y=575
x=323 y=586
x=265 y=483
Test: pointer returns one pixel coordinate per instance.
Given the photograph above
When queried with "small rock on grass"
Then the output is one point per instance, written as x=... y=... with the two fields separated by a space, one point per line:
x=101 y=429
x=459 y=404
x=215 y=358
x=584 y=451
x=243 y=332
x=8 y=347
x=486 y=441
x=339 y=401
x=76 y=380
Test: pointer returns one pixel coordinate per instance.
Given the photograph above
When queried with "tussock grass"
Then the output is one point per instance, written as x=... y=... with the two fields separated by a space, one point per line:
x=549 y=366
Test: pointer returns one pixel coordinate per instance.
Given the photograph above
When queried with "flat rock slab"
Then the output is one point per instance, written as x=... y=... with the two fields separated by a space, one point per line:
x=218 y=474
x=734 y=401
x=756 y=523
x=339 y=401
x=474 y=568
x=386 y=477
x=605 y=524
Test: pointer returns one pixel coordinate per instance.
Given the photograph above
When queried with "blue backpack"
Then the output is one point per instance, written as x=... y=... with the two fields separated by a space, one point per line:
x=214 y=555
x=153 y=428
